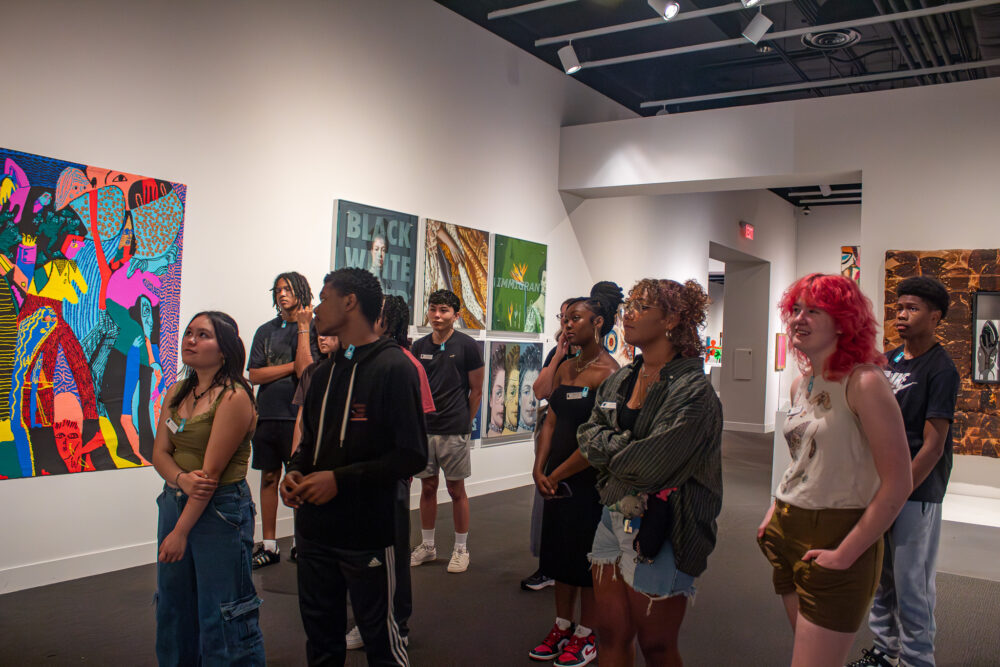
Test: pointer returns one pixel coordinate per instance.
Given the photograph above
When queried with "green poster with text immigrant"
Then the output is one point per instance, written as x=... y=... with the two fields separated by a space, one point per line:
x=518 y=285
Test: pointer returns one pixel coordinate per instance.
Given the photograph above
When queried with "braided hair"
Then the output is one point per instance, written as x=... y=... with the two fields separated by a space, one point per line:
x=395 y=317
x=300 y=288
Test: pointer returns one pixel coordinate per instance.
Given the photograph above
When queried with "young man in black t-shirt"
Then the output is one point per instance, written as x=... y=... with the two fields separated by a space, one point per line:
x=281 y=350
x=925 y=382
x=454 y=366
x=362 y=432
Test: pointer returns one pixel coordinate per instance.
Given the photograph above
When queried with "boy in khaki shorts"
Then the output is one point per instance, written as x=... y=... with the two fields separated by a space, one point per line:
x=454 y=366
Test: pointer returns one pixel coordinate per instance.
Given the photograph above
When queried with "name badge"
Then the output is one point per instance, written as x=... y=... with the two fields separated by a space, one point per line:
x=609 y=405
x=576 y=395
x=427 y=356
x=172 y=425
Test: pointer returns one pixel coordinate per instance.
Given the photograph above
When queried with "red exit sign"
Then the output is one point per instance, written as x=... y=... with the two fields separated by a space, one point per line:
x=746 y=230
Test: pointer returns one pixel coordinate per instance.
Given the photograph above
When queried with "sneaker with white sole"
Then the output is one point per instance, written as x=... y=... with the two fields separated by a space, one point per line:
x=552 y=646
x=459 y=560
x=354 y=640
x=424 y=553
x=579 y=651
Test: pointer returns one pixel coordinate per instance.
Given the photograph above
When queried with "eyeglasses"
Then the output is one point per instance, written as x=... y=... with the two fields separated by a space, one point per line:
x=634 y=307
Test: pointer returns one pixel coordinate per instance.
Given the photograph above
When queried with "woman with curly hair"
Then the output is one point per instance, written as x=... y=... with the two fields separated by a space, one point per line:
x=654 y=438
x=849 y=475
x=568 y=483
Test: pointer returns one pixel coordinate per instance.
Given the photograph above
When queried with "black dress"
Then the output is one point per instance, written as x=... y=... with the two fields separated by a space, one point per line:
x=569 y=524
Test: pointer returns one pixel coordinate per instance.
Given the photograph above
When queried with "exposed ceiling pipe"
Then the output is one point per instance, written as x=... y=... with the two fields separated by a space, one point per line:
x=525 y=8
x=911 y=39
x=963 y=46
x=825 y=83
x=647 y=23
x=940 y=40
x=986 y=21
x=925 y=40
x=740 y=41
x=896 y=37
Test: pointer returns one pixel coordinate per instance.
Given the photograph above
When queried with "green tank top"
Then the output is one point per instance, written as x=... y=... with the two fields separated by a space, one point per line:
x=190 y=442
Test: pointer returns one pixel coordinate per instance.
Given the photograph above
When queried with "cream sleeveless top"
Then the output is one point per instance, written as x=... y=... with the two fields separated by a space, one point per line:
x=832 y=465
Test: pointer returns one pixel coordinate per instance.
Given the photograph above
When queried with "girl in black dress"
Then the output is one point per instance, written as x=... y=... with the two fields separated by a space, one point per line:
x=568 y=484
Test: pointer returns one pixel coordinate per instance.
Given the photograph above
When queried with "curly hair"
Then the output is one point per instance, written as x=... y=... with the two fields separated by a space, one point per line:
x=444 y=297
x=852 y=315
x=300 y=288
x=689 y=301
x=362 y=284
x=234 y=357
x=931 y=290
x=395 y=317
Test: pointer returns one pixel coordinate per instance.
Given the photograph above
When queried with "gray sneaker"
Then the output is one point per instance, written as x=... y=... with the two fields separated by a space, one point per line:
x=424 y=553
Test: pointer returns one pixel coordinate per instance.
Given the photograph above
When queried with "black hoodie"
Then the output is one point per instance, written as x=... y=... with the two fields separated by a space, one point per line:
x=373 y=435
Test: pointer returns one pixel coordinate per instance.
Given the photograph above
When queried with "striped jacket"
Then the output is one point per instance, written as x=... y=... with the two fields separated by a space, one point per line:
x=677 y=442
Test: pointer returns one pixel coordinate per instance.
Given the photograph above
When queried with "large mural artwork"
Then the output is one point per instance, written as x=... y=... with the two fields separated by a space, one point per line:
x=971 y=277
x=90 y=273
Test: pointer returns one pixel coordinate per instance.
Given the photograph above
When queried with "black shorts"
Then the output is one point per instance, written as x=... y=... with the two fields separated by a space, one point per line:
x=272 y=444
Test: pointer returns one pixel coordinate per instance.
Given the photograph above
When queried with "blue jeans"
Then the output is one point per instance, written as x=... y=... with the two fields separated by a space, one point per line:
x=207 y=608
x=902 y=617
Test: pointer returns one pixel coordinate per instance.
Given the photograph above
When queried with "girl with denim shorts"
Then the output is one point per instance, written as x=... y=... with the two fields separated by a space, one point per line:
x=654 y=438
x=207 y=607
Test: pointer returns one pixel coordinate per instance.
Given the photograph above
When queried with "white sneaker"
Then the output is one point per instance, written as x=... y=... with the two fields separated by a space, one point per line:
x=353 y=639
x=459 y=560
x=424 y=553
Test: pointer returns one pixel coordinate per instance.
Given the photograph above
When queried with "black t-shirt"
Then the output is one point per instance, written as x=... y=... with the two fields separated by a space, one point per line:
x=926 y=387
x=273 y=345
x=448 y=367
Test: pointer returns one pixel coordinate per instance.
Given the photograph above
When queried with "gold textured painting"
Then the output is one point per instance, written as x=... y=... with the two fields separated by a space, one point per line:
x=457 y=259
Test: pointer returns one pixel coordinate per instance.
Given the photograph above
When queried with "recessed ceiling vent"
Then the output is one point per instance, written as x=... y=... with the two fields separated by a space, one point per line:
x=831 y=40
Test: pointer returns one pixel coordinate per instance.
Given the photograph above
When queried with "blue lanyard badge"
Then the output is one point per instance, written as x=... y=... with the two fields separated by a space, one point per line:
x=899 y=357
x=586 y=390
x=442 y=347
x=349 y=353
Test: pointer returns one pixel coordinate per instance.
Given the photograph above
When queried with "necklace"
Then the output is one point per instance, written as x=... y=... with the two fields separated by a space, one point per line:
x=579 y=368
x=197 y=396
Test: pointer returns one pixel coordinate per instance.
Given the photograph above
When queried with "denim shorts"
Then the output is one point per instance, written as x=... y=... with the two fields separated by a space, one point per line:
x=657 y=580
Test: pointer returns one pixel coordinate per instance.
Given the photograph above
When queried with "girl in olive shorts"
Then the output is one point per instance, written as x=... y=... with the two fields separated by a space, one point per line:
x=849 y=475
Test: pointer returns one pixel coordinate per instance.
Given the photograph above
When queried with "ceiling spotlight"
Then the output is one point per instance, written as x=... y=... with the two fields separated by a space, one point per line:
x=667 y=10
x=757 y=27
x=750 y=3
x=806 y=210
x=567 y=56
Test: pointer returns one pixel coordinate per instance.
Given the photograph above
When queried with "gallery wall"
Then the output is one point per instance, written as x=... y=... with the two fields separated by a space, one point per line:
x=669 y=236
x=268 y=112
x=821 y=233
x=926 y=157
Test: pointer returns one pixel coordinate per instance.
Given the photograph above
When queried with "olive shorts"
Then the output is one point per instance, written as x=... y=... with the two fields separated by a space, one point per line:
x=837 y=600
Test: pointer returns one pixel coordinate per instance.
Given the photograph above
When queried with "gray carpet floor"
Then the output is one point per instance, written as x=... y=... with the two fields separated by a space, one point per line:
x=482 y=617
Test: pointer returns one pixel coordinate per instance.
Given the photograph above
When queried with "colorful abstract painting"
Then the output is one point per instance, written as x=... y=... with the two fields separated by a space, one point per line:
x=616 y=346
x=850 y=262
x=511 y=406
x=458 y=259
x=89 y=302
x=518 y=285
x=713 y=350
x=381 y=241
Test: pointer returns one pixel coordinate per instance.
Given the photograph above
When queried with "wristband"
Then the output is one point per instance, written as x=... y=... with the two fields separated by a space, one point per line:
x=177 y=479
x=303 y=332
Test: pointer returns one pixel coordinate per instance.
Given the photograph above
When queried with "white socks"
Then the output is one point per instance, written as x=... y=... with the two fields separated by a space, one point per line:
x=271 y=545
x=427 y=536
x=582 y=631
x=460 y=541
x=562 y=623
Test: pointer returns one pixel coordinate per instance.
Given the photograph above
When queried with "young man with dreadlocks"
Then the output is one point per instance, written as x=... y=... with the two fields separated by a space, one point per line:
x=281 y=350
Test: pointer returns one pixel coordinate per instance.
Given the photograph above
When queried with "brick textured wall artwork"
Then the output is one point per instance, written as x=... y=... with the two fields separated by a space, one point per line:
x=964 y=272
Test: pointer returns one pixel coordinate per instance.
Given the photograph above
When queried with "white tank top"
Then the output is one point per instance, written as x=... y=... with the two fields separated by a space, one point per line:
x=832 y=465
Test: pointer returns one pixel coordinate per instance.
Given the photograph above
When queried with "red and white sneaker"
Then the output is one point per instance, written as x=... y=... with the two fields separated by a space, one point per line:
x=553 y=644
x=578 y=651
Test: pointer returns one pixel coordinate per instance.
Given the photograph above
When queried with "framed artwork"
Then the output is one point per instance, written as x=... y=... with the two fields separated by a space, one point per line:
x=616 y=346
x=511 y=408
x=477 y=421
x=713 y=349
x=850 y=262
x=518 y=285
x=780 y=351
x=381 y=241
x=90 y=283
x=985 y=337
x=457 y=259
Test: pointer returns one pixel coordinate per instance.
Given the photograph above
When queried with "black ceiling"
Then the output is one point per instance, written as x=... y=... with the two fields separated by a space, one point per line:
x=939 y=40
x=817 y=195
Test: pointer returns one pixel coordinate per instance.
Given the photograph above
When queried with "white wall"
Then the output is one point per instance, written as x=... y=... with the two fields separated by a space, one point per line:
x=668 y=236
x=926 y=155
x=821 y=233
x=268 y=112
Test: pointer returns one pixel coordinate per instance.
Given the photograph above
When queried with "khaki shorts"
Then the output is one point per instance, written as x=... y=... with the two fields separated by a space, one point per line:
x=449 y=453
x=837 y=600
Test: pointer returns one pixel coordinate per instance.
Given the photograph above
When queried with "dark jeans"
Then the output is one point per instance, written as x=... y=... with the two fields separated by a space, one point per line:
x=326 y=574
x=207 y=608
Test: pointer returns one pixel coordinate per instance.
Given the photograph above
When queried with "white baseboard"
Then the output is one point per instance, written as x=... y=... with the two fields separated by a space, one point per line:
x=747 y=427
x=475 y=488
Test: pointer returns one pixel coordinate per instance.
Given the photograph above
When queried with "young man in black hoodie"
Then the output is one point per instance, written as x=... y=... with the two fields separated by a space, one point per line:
x=362 y=431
